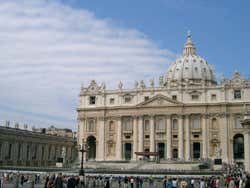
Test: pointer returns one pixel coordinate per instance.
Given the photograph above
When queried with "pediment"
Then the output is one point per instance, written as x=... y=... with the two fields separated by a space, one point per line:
x=160 y=100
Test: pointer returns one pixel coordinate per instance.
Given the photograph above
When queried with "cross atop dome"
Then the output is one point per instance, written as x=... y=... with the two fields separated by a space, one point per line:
x=189 y=47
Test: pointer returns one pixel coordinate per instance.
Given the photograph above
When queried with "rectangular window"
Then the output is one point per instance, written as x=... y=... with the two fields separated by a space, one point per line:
x=91 y=125
x=127 y=124
x=174 y=97
x=127 y=99
x=146 y=98
x=160 y=124
x=92 y=100
x=127 y=137
x=196 y=136
x=195 y=97
x=196 y=122
x=237 y=94
x=111 y=101
x=147 y=136
x=238 y=123
x=175 y=136
x=146 y=125
x=213 y=97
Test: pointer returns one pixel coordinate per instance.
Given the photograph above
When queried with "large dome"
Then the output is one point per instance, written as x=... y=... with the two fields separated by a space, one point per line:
x=190 y=68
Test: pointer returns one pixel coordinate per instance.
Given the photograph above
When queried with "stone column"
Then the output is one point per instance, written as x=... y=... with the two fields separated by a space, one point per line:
x=141 y=135
x=101 y=139
x=187 y=138
x=169 y=138
x=119 y=140
x=223 y=126
x=180 y=137
x=135 y=139
x=247 y=150
x=152 y=135
x=204 y=136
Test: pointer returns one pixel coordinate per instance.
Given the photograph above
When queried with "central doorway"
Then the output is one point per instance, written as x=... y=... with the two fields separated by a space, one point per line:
x=128 y=151
x=161 y=150
x=196 y=150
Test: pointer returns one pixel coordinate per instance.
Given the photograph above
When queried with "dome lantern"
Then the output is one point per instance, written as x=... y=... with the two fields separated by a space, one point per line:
x=189 y=47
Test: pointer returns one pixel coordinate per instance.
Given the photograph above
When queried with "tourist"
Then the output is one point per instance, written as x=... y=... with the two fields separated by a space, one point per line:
x=131 y=182
x=151 y=182
x=169 y=183
x=1 y=181
x=50 y=183
x=202 y=183
x=71 y=183
x=107 y=185
x=174 y=183
x=119 y=182
x=240 y=182
x=183 y=183
x=22 y=180
x=16 y=181
x=59 y=181
x=231 y=183
x=126 y=182
x=77 y=181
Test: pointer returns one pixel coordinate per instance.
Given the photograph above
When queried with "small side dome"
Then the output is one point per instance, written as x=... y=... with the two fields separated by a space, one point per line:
x=190 y=68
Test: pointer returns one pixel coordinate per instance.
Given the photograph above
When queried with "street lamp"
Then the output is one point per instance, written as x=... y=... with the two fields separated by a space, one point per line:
x=83 y=149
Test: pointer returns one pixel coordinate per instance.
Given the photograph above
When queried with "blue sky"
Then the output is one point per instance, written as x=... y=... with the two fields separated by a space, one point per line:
x=50 y=48
x=220 y=29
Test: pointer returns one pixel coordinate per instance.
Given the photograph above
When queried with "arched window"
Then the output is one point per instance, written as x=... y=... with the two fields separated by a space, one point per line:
x=214 y=124
x=196 y=122
x=91 y=125
x=238 y=146
x=175 y=124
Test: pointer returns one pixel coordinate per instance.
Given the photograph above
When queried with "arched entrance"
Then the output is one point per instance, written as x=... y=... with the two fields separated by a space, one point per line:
x=161 y=150
x=238 y=146
x=91 y=143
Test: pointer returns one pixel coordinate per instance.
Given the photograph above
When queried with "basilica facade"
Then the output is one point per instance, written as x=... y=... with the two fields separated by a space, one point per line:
x=187 y=116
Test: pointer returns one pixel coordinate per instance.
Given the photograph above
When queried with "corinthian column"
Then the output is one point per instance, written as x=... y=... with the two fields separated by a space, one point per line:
x=101 y=137
x=135 y=139
x=180 y=138
x=204 y=137
x=141 y=133
x=152 y=136
x=169 y=139
x=119 y=140
x=224 y=136
x=187 y=138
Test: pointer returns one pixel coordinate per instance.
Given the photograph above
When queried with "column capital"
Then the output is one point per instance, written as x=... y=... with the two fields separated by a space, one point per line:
x=102 y=118
x=205 y=116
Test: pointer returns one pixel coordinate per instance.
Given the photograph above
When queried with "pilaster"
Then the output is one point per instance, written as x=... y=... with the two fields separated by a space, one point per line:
x=169 y=137
x=119 y=140
x=152 y=135
x=180 y=137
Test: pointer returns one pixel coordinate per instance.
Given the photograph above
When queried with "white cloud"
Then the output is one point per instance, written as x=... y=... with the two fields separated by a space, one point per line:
x=48 y=49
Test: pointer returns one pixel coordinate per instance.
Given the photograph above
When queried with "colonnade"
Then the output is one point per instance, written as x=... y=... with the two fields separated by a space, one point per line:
x=184 y=139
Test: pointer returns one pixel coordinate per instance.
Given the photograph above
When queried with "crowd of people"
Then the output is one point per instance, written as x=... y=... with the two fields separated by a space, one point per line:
x=237 y=180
